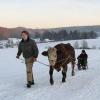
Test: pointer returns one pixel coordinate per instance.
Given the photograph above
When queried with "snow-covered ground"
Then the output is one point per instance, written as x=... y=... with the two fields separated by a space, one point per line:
x=91 y=42
x=85 y=85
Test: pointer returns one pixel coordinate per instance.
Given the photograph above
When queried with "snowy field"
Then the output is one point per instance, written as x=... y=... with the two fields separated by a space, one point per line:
x=85 y=85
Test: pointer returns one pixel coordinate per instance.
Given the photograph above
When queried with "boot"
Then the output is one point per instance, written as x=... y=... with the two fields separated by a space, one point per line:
x=84 y=68
x=29 y=85
x=79 y=67
x=32 y=83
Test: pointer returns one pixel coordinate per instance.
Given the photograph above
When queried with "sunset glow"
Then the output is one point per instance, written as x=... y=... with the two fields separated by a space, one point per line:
x=49 y=13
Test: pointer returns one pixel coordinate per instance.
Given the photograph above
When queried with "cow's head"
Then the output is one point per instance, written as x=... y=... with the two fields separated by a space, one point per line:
x=52 y=55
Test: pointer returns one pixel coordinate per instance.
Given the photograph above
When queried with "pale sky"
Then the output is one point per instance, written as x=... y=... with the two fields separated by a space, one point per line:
x=49 y=13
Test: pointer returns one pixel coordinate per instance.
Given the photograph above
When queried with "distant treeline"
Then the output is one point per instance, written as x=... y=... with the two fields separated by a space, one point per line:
x=56 y=36
x=11 y=35
x=64 y=35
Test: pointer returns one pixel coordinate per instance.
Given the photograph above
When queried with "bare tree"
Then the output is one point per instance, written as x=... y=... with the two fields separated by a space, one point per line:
x=76 y=45
x=85 y=45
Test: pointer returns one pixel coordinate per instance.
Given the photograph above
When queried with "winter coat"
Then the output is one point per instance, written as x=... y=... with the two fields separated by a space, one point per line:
x=82 y=59
x=28 y=48
x=83 y=56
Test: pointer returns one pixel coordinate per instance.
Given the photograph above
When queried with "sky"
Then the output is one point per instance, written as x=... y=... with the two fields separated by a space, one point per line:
x=49 y=13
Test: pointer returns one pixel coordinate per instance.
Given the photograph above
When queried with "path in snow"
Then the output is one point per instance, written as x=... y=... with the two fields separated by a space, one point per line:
x=85 y=85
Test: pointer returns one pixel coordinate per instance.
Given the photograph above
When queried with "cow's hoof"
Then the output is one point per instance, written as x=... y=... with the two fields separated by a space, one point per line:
x=51 y=82
x=73 y=73
x=63 y=80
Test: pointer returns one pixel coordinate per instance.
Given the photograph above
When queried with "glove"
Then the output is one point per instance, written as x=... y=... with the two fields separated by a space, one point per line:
x=34 y=59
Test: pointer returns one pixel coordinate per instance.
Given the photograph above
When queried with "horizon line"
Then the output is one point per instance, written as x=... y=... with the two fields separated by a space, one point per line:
x=51 y=27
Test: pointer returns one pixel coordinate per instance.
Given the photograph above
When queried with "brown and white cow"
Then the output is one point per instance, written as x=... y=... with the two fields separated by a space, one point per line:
x=59 y=56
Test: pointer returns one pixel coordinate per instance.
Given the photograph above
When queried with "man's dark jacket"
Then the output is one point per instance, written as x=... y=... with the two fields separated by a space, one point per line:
x=28 y=48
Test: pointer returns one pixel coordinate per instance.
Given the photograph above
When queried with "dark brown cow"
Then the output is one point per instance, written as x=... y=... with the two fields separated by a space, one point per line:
x=59 y=56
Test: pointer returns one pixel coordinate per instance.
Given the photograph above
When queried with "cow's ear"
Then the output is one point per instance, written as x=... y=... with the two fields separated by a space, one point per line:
x=45 y=53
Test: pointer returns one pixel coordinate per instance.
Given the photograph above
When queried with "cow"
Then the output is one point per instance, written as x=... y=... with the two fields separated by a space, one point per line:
x=59 y=57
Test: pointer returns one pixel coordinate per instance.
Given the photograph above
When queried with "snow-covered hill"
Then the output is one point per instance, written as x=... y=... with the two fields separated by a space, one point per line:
x=85 y=85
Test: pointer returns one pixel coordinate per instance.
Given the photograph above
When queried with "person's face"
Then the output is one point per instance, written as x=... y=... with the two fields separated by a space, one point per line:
x=83 y=52
x=24 y=36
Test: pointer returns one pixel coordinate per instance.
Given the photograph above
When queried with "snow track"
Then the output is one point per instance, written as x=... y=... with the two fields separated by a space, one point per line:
x=85 y=85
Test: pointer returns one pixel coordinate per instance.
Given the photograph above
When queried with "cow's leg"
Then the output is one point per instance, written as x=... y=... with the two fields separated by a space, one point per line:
x=64 y=71
x=51 y=75
x=73 y=66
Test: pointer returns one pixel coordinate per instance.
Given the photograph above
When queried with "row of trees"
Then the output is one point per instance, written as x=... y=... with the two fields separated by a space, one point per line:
x=64 y=35
x=60 y=35
x=1 y=37
x=84 y=45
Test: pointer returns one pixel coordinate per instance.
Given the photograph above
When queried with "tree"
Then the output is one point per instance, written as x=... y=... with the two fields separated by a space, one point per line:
x=84 y=45
x=76 y=45
x=37 y=35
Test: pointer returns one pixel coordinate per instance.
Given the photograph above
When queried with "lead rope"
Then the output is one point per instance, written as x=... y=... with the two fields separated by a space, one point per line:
x=42 y=63
x=66 y=59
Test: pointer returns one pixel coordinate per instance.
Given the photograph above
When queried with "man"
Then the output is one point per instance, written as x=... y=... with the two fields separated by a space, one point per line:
x=29 y=49
x=82 y=60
